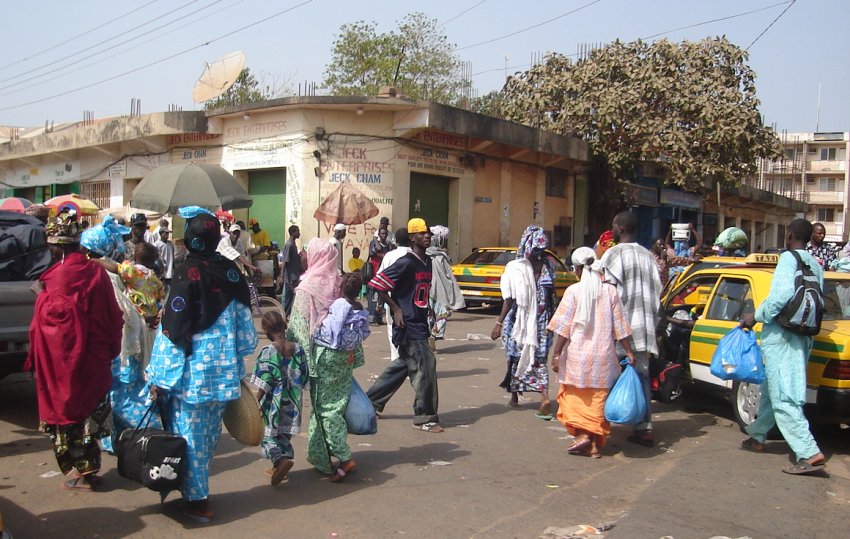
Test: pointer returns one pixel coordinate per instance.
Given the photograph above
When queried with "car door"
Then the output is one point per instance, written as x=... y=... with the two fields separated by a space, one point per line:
x=732 y=297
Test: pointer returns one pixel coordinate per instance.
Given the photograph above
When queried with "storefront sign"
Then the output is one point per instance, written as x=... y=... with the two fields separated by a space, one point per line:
x=674 y=197
x=643 y=196
x=438 y=138
x=117 y=170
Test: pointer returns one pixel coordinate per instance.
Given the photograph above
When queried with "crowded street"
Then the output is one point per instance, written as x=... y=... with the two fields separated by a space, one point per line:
x=496 y=471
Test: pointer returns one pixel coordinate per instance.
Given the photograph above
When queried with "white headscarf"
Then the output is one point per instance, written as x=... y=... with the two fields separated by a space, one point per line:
x=590 y=284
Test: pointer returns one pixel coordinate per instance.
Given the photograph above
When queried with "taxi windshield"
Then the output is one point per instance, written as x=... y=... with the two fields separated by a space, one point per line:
x=836 y=298
x=491 y=257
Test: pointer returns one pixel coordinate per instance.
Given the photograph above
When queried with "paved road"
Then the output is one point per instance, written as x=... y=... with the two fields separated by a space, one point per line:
x=495 y=472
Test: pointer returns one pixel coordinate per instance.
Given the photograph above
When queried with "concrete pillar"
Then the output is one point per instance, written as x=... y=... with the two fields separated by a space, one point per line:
x=505 y=204
x=540 y=198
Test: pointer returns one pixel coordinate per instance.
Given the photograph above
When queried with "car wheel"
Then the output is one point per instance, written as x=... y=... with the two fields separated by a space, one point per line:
x=745 y=402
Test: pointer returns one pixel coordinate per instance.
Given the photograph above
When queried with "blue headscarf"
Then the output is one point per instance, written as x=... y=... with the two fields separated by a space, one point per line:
x=533 y=242
x=105 y=238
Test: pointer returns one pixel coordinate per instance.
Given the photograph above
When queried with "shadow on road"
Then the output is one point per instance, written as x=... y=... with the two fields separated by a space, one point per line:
x=459 y=374
x=476 y=346
x=667 y=433
x=110 y=522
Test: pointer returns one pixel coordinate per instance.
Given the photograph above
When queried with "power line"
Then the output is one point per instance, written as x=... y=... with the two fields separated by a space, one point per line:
x=175 y=55
x=703 y=23
x=769 y=25
x=718 y=20
x=69 y=65
x=553 y=19
x=67 y=56
x=464 y=12
x=194 y=20
x=74 y=38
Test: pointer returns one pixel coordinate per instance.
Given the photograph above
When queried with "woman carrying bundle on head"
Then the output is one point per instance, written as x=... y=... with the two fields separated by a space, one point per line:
x=587 y=324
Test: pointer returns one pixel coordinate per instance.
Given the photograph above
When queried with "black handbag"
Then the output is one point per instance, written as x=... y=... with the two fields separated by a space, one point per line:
x=153 y=457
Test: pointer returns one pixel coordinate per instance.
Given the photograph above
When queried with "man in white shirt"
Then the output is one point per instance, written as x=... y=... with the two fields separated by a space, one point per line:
x=232 y=249
x=402 y=238
x=166 y=255
x=336 y=241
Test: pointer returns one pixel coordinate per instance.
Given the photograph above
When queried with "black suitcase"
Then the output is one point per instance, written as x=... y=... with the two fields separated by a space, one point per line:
x=153 y=457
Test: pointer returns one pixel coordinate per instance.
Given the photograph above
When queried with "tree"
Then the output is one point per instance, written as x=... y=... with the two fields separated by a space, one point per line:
x=689 y=107
x=418 y=51
x=246 y=89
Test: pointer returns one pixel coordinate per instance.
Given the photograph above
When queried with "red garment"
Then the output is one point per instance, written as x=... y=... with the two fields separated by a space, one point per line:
x=74 y=335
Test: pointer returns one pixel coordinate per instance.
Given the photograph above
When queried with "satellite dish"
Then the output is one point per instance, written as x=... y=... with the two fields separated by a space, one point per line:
x=218 y=77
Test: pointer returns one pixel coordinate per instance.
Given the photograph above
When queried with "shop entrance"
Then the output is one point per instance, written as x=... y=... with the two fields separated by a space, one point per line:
x=268 y=189
x=429 y=198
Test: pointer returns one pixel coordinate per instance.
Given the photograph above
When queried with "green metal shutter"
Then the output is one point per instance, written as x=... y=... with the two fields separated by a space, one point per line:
x=429 y=198
x=268 y=189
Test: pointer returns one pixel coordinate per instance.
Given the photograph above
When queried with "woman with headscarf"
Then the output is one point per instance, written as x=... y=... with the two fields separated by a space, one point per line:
x=197 y=361
x=588 y=323
x=318 y=290
x=74 y=335
x=104 y=242
x=445 y=292
x=527 y=287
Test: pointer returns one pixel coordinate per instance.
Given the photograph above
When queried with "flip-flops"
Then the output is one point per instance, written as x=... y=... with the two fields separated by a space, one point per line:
x=544 y=417
x=346 y=468
x=280 y=471
x=804 y=467
x=580 y=448
x=78 y=483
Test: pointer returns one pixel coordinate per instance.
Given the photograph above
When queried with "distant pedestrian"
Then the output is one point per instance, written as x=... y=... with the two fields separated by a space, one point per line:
x=783 y=392
x=336 y=240
x=824 y=253
x=631 y=268
x=355 y=263
x=404 y=286
x=527 y=286
x=378 y=247
x=138 y=230
x=291 y=269
x=165 y=248
x=446 y=295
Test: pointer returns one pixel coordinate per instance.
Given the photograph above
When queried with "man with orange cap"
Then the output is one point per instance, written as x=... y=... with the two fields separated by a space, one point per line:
x=405 y=286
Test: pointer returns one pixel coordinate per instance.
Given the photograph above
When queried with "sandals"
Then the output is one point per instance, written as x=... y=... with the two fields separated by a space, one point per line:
x=198 y=511
x=79 y=483
x=751 y=444
x=805 y=467
x=280 y=470
x=345 y=468
x=544 y=417
x=581 y=448
x=642 y=438
x=430 y=427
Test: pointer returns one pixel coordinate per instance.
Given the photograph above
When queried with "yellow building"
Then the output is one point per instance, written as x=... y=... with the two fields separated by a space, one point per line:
x=484 y=178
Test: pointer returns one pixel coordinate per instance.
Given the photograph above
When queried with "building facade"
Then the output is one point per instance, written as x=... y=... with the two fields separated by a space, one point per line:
x=814 y=169
x=484 y=178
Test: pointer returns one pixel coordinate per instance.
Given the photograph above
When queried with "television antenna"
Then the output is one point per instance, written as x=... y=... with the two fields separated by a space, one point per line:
x=218 y=76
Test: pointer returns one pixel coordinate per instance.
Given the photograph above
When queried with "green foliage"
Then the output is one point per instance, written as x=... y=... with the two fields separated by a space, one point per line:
x=246 y=89
x=363 y=61
x=690 y=107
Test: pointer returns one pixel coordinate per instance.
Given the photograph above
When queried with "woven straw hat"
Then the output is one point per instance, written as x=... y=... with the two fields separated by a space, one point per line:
x=242 y=417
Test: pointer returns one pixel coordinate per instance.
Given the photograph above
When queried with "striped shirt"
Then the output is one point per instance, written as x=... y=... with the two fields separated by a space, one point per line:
x=632 y=270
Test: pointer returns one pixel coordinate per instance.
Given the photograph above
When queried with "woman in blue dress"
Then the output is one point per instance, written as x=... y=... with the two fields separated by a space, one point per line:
x=197 y=361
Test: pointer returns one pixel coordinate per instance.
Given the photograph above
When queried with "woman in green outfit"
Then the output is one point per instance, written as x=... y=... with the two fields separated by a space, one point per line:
x=331 y=329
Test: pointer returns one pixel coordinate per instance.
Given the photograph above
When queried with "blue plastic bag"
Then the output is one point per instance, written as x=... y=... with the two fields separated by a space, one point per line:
x=626 y=403
x=738 y=357
x=360 y=415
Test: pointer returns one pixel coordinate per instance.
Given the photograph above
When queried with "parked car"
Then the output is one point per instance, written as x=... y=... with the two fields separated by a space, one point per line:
x=723 y=291
x=479 y=274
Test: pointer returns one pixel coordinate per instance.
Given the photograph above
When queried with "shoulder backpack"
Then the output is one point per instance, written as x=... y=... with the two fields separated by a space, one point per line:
x=804 y=312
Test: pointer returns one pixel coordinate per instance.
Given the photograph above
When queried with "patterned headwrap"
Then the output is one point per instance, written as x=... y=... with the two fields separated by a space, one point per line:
x=63 y=230
x=605 y=242
x=105 y=238
x=203 y=285
x=533 y=242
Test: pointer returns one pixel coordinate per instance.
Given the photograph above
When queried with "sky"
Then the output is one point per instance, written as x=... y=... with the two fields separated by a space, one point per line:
x=62 y=58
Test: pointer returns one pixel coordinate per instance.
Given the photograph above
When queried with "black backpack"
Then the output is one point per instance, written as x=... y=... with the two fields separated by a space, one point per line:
x=804 y=312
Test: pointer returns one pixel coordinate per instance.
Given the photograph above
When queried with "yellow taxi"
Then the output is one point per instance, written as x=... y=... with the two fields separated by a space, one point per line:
x=716 y=293
x=479 y=274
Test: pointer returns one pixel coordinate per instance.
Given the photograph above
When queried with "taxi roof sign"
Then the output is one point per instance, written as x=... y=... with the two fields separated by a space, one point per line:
x=762 y=258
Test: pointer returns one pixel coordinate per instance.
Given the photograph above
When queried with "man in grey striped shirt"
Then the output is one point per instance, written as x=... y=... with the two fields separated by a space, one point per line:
x=632 y=270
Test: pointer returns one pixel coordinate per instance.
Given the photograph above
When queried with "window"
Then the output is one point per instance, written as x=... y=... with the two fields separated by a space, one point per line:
x=732 y=299
x=826 y=184
x=789 y=154
x=826 y=215
x=97 y=192
x=556 y=182
x=827 y=154
x=836 y=299
x=694 y=292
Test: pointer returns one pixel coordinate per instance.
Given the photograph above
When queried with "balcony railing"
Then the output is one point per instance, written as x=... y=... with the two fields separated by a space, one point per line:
x=826 y=166
x=825 y=197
